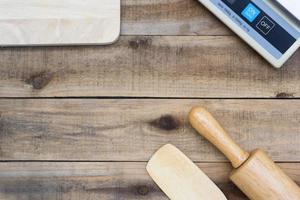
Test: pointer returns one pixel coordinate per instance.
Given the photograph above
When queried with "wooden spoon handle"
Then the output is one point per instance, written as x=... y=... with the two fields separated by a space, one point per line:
x=209 y=128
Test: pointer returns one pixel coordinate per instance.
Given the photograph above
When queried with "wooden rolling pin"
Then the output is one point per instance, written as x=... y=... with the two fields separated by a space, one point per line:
x=255 y=173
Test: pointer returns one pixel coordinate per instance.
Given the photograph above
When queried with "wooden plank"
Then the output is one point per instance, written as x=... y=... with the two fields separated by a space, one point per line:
x=169 y=17
x=59 y=22
x=131 y=130
x=147 y=66
x=80 y=181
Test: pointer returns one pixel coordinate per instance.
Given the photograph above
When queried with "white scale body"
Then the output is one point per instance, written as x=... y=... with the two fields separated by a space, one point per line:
x=271 y=27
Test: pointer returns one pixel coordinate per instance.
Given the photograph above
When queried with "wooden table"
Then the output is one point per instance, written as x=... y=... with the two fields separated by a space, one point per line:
x=80 y=123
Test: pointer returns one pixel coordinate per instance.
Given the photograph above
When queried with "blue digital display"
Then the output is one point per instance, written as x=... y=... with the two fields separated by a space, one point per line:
x=251 y=12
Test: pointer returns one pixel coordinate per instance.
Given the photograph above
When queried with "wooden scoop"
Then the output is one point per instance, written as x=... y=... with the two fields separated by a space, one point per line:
x=180 y=178
x=255 y=174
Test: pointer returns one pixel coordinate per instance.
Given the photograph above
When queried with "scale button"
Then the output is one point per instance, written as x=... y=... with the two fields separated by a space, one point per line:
x=251 y=12
x=265 y=25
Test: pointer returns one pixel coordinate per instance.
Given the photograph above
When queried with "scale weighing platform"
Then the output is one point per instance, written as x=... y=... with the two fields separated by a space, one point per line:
x=271 y=27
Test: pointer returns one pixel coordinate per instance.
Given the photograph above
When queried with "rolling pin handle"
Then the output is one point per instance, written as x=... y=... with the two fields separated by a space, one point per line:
x=208 y=127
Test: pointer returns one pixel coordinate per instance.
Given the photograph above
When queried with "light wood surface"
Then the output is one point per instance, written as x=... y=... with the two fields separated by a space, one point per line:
x=59 y=22
x=256 y=174
x=209 y=128
x=260 y=179
x=179 y=177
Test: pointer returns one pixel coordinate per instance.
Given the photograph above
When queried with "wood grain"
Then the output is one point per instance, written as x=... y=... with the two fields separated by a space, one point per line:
x=91 y=181
x=141 y=66
x=261 y=179
x=132 y=129
x=169 y=17
x=208 y=127
x=195 y=56
x=255 y=173
x=59 y=22
x=179 y=178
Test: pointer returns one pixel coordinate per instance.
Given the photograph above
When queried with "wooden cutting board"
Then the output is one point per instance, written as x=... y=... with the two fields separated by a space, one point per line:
x=59 y=22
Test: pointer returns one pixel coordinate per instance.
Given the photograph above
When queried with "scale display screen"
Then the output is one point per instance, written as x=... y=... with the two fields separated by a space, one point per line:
x=262 y=23
x=231 y=1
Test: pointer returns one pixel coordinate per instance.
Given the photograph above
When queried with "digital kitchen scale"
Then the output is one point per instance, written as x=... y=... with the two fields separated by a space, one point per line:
x=271 y=27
